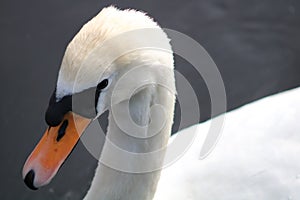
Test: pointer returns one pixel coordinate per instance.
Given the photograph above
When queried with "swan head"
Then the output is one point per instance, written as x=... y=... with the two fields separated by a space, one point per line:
x=113 y=45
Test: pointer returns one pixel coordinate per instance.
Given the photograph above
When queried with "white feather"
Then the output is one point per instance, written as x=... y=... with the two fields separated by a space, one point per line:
x=257 y=156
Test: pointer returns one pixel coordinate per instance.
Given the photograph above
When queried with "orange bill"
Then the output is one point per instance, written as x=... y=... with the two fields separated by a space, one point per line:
x=52 y=150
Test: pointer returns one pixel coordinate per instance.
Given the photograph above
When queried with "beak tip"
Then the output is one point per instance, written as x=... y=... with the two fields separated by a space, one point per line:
x=29 y=179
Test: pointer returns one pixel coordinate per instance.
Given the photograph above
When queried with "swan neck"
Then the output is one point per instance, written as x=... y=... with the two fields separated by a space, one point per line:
x=127 y=170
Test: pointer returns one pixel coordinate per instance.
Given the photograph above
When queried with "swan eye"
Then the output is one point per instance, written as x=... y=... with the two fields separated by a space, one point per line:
x=103 y=84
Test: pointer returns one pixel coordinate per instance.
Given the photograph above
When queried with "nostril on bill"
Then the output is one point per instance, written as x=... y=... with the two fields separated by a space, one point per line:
x=62 y=130
x=29 y=178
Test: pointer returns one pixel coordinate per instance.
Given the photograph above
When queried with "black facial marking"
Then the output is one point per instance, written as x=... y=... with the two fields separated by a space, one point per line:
x=62 y=130
x=83 y=103
x=103 y=84
x=57 y=110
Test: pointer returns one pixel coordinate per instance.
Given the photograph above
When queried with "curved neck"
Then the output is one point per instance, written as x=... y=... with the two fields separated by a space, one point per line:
x=131 y=173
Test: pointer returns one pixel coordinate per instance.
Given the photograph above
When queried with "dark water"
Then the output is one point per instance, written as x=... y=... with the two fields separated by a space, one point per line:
x=255 y=45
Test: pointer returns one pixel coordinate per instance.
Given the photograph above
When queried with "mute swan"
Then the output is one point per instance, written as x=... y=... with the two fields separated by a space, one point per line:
x=254 y=159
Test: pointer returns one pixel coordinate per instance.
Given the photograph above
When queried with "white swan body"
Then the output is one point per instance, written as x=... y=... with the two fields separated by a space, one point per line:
x=254 y=159
x=257 y=156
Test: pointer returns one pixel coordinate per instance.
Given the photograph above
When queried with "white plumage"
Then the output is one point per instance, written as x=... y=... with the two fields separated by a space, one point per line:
x=257 y=156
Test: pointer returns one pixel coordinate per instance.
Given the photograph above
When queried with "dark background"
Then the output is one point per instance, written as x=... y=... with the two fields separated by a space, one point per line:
x=255 y=45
